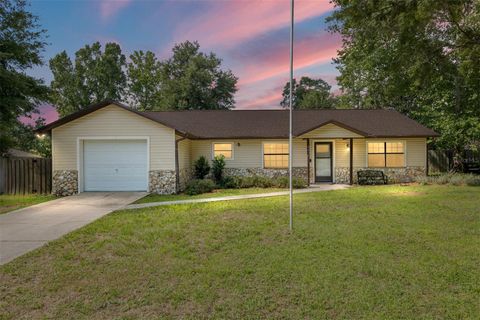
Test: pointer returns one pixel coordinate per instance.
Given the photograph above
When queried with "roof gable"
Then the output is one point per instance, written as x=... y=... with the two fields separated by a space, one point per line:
x=95 y=107
x=332 y=129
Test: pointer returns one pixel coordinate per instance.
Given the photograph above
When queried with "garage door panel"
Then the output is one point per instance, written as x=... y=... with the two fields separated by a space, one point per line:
x=115 y=165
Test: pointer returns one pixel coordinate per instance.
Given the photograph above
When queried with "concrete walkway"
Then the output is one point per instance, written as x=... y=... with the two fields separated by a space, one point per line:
x=26 y=229
x=315 y=188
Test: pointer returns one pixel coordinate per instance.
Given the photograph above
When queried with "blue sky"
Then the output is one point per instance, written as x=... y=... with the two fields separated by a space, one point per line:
x=251 y=36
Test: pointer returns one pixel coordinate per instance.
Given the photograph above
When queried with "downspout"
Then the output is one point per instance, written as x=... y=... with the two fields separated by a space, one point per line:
x=426 y=157
x=177 y=169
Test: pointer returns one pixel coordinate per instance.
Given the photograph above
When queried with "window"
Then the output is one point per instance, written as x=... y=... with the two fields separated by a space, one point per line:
x=225 y=149
x=386 y=154
x=275 y=155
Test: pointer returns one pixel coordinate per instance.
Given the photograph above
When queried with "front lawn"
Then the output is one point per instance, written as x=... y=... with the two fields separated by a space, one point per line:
x=13 y=202
x=214 y=194
x=385 y=252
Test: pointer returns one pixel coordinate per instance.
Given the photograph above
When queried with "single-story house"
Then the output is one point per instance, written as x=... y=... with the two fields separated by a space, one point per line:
x=111 y=147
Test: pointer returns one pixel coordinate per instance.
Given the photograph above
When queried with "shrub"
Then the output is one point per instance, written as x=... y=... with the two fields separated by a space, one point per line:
x=472 y=180
x=245 y=182
x=230 y=182
x=202 y=168
x=456 y=179
x=442 y=179
x=218 y=164
x=281 y=182
x=261 y=182
x=199 y=186
x=423 y=180
x=299 y=183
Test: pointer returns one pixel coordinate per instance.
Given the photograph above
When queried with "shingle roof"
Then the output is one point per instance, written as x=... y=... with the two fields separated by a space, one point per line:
x=216 y=124
x=274 y=123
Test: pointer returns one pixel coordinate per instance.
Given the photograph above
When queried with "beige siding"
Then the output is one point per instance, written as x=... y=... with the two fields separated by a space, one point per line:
x=342 y=153
x=113 y=121
x=416 y=152
x=184 y=161
x=330 y=131
x=248 y=153
x=359 y=153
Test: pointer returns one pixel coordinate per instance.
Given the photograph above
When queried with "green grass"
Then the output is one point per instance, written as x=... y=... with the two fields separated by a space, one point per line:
x=13 y=202
x=215 y=193
x=385 y=252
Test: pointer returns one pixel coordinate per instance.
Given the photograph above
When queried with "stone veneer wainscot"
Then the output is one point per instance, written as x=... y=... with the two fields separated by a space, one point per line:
x=394 y=175
x=299 y=172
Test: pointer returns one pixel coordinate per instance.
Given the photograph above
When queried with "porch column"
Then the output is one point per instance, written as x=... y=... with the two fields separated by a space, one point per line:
x=308 y=161
x=351 y=161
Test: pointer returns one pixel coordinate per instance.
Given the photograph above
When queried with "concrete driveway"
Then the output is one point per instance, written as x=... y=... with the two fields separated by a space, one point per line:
x=26 y=229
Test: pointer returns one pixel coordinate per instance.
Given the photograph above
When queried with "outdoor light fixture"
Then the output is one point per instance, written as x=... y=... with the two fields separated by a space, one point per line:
x=40 y=135
x=348 y=146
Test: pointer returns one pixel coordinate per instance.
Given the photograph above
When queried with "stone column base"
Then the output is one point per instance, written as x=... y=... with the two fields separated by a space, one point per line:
x=64 y=182
x=162 y=181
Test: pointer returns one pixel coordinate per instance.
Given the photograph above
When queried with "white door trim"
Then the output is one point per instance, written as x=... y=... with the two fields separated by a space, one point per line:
x=312 y=156
x=80 y=140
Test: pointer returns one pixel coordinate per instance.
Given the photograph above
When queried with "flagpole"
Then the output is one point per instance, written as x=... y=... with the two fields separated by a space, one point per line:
x=290 y=139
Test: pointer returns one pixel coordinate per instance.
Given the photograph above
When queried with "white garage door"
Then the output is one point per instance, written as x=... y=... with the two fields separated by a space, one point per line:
x=115 y=165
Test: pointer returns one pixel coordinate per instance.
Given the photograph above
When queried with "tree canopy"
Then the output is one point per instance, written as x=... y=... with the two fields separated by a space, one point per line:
x=420 y=57
x=144 y=80
x=94 y=76
x=194 y=80
x=308 y=93
x=189 y=79
x=21 y=44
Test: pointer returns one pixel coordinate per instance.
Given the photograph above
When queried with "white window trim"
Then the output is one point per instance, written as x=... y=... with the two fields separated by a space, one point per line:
x=223 y=142
x=383 y=141
x=263 y=154
x=80 y=140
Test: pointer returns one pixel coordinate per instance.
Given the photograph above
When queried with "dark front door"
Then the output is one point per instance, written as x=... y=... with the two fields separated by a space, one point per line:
x=323 y=162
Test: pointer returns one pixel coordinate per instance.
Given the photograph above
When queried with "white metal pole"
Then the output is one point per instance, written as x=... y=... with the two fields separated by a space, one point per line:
x=290 y=139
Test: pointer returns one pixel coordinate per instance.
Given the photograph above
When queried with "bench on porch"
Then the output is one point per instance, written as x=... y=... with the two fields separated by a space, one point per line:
x=371 y=177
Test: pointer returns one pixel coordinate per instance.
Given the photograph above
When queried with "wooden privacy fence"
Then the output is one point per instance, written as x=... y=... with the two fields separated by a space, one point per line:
x=439 y=161
x=26 y=175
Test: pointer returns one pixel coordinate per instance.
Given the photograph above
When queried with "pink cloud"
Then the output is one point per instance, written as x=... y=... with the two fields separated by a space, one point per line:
x=270 y=101
x=109 y=8
x=228 y=23
x=268 y=94
x=45 y=111
x=275 y=62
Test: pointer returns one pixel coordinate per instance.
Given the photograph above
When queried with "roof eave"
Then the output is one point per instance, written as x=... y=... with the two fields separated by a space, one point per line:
x=97 y=106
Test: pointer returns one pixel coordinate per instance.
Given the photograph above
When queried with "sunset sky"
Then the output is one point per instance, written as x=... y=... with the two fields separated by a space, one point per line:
x=251 y=36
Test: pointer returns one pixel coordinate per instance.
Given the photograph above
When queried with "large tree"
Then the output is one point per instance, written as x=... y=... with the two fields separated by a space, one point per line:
x=144 y=80
x=21 y=43
x=194 y=80
x=420 y=57
x=308 y=93
x=25 y=139
x=94 y=76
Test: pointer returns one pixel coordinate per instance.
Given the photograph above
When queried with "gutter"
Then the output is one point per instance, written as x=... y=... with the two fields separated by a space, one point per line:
x=177 y=166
